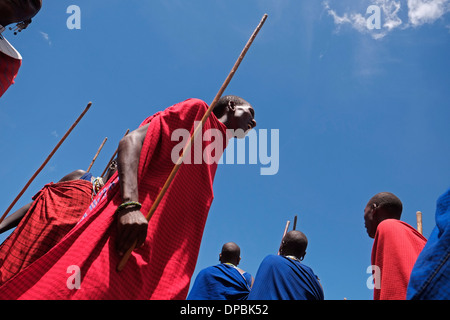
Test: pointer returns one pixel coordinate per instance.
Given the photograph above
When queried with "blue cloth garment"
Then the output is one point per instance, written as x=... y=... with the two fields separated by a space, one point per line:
x=283 y=278
x=221 y=282
x=87 y=176
x=430 y=277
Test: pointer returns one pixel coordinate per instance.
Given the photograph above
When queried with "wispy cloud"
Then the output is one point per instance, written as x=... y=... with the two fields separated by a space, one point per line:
x=46 y=37
x=419 y=13
x=426 y=11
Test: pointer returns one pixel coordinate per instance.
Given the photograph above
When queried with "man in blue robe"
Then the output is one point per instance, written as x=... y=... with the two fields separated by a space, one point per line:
x=284 y=277
x=430 y=277
x=224 y=281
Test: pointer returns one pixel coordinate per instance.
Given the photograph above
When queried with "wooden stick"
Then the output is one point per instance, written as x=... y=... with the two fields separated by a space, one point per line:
x=96 y=155
x=45 y=162
x=419 y=222
x=284 y=233
x=295 y=223
x=112 y=158
x=161 y=194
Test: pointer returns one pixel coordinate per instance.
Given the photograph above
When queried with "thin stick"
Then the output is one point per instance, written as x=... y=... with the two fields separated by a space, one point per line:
x=419 y=222
x=112 y=158
x=161 y=194
x=96 y=155
x=284 y=233
x=45 y=162
x=295 y=223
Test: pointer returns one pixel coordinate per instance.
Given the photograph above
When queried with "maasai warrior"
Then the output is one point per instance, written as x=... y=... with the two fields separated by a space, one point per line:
x=395 y=248
x=224 y=281
x=430 y=277
x=284 y=276
x=41 y=224
x=20 y=12
x=167 y=248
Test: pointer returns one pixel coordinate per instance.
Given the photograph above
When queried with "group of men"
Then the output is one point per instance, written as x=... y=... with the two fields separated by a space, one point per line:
x=279 y=277
x=405 y=265
x=85 y=225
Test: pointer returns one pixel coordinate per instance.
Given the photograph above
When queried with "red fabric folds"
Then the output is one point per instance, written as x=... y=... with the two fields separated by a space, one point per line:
x=163 y=267
x=9 y=67
x=55 y=211
x=395 y=250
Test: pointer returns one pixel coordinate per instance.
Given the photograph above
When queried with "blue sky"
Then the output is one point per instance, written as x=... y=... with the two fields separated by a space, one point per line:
x=358 y=111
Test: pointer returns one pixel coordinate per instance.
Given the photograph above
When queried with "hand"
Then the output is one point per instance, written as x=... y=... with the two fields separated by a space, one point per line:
x=131 y=227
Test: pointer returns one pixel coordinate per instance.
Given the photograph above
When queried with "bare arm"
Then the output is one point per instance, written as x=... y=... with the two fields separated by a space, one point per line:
x=14 y=219
x=132 y=225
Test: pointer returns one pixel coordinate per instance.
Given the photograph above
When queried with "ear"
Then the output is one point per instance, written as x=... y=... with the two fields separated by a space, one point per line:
x=303 y=257
x=231 y=106
x=220 y=257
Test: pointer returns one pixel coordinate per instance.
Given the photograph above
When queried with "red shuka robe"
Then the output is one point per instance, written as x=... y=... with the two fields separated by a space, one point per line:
x=10 y=62
x=55 y=211
x=395 y=250
x=163 y=267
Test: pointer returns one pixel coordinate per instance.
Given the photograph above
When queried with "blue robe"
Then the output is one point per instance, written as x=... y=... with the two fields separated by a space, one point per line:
x=430 y=277
x=283 y=278
x=221 y=282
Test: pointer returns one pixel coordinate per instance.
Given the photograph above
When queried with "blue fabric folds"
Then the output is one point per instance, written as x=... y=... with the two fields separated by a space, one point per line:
x=430 y=277
x=220 y=282
x=282 y=278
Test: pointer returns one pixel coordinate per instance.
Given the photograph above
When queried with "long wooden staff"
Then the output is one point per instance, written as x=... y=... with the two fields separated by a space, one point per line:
x=45 y=162
x=161 y=194
x=284 y=233
x=419 y=222
x=112 y=158
x=96 y=155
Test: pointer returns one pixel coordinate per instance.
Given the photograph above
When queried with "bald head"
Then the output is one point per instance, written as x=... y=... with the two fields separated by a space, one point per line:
x=230 y=253
x=294 y=243
x=382 y=206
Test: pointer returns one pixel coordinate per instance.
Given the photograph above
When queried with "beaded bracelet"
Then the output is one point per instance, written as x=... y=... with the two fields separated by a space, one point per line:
x=129 y=204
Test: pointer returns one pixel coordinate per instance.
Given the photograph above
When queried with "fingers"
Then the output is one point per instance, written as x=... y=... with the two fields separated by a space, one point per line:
x=132 y=231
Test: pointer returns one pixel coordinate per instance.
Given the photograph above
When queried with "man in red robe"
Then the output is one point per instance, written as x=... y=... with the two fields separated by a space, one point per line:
x=13 y=11
x=395 y=249
x=83 y=264
x=41 y=224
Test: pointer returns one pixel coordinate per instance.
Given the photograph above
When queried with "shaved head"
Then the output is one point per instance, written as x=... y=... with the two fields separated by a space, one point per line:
x=294 y=243
x=382 y=206
x=230 y=253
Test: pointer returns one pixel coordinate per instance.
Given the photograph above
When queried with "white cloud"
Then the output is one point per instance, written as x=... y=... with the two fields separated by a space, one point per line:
x=46 y=37
x=358 y=21
x=419 y=12
x=426 y=11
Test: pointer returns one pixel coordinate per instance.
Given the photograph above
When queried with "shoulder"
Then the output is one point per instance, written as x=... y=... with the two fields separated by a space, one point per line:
x=392 y=225
x=272 y=259
x=189 y=105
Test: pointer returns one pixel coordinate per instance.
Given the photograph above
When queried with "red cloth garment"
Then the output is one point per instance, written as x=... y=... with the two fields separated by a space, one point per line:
x=163 y=267
x=55 y=211
x=9 y=67
x=395 y=250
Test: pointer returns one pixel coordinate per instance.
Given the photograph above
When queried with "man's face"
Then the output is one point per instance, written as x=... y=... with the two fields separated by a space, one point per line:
x=14 y=11
x=369 y=220
x=242 y=120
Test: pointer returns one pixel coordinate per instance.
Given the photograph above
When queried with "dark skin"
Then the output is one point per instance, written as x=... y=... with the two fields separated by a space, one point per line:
x=373 y=216
x=131 y=223
x=15 y=11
